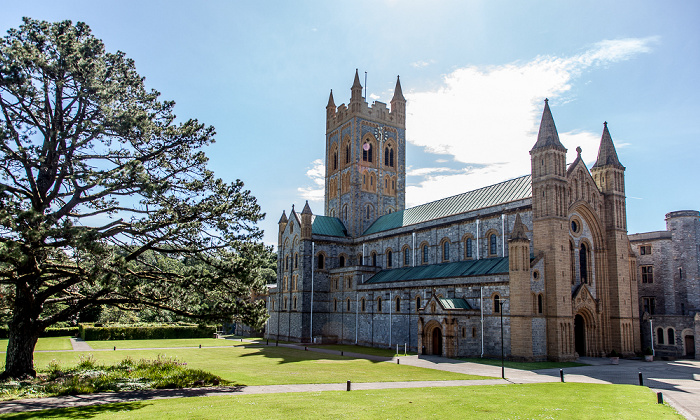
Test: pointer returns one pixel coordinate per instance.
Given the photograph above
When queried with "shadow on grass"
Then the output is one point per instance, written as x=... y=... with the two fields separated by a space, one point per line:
x=288 y=354
x=83 y=412
x=90 y=405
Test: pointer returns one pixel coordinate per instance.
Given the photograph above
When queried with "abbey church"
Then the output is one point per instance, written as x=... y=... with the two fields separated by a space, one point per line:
x=542 y=260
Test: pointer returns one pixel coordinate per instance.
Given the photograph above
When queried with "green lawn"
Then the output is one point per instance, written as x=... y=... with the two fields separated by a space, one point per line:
x=363 y=350
x=268 y=365
x=550 y=400
x=523 y=365
x=45 y=343
x=166 y=343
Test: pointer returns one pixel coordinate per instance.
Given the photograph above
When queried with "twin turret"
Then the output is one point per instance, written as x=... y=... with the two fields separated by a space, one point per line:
x=359 y=107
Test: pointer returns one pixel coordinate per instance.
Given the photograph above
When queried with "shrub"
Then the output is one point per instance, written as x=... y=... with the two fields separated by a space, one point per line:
x=144 y=331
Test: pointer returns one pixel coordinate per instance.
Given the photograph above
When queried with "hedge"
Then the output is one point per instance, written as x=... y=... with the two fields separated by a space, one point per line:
x=144 y=332
x=49 y=332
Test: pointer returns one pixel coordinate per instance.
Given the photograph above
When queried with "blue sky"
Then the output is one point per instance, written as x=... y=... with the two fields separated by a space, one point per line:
x=474 y=73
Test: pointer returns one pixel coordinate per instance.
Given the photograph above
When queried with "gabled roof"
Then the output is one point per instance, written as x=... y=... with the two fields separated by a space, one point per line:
x=503 y=192
x=457 y=303
x=329 y=226
x=484 y=267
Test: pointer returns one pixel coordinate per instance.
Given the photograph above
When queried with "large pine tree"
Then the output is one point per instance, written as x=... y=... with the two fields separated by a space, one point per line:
x=105 y=199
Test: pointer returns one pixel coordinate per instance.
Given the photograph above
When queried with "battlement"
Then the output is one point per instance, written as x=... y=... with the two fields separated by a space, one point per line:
x=378 y=112
x=358 y=107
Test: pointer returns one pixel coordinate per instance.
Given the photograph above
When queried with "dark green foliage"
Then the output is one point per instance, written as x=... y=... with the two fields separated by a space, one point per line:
x=106 y=200
x=90 y=376
x=144 y=332
x=49 y=332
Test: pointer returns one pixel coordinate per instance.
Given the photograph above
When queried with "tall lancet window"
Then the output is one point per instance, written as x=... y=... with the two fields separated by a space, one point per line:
x=583 y=263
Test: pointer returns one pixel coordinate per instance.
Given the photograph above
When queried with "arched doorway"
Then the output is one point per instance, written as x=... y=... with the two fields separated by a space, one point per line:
x=690 y=346
x=579 y=335
x=437 y=341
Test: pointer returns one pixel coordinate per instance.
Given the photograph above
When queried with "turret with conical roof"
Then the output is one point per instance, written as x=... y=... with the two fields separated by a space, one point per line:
x=282 y=226
x=330 y=110
x=398 y=103
x=356 y=99
x=520 y=292
x=607 y=155
x=306 y=221
x=550 y=233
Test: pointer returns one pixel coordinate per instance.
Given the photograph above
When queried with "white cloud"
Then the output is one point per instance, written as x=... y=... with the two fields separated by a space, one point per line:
x=489 y=117
x=316 y=174
x=420 y=63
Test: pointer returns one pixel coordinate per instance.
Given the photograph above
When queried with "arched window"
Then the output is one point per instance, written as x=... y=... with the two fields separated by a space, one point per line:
x=296 y=260
x=446 y=250
x=424 y=251
x=272 y=305
x=335 y=160
x=572 y=262
x=321 y=261
x=496 y=304
x=345 y=212
x=294 y=303
x=379 y=304
x=389 y=259
x=286 y=262
x=362 y=304
x=417 y=302
x=285 y=303
x=671 y=337
x=468 y=248
x=348 y=304
x=341 y=261
x=335 y=305
x=369 y=209
x=389 y=156
x=397 y=308
x=347 y=152
x=367 y=151
x=660 y=335
x=493 y=244
x=406 y=257
x=583 y=263
x=539 y=304
x=374 y=259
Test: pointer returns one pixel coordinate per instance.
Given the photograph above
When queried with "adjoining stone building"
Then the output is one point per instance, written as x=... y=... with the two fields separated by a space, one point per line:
x=669 y=285
x=545 y=257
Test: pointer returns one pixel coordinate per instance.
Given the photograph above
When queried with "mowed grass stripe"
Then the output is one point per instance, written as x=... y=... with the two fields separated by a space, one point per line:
x=549 y=400
x=44 y=343
x=269 y=365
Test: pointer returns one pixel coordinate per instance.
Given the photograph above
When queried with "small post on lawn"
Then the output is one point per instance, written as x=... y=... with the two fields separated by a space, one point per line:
x=115 y=348
x=404 y=349
x=348 y=385
x=398 y=362
x=200 y=346
x=561 y=374
x=397 y=348
x=641 y=379
x=659 y=398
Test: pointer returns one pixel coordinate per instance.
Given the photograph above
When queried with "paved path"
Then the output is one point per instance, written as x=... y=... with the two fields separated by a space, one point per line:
x=679 y=381
x=79 y=344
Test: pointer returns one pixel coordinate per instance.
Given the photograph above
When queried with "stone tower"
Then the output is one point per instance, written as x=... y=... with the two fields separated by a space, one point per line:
x=521 y=305
x=609 y=176
x=551 y=233
x=365 y=158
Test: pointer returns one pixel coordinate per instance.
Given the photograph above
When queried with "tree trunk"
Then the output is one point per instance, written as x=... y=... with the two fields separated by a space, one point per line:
x=19 y=360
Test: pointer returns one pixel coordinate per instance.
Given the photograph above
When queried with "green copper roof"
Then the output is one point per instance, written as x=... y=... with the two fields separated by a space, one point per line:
x=329 y=226
x=488 y=266
x=458 y=303
x=503 y=192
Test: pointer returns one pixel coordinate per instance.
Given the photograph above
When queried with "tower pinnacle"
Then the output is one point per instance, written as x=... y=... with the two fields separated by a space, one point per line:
x=607 y=155
x=548 y=136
